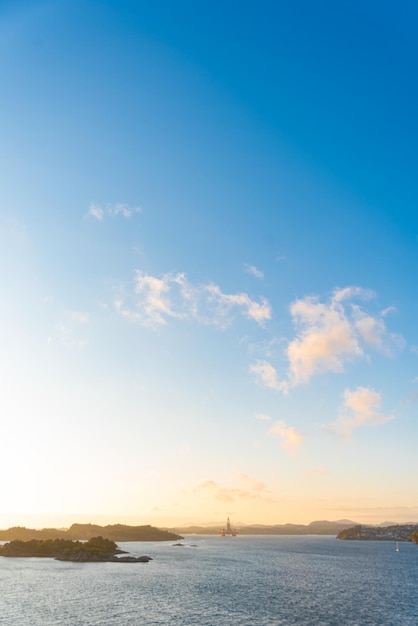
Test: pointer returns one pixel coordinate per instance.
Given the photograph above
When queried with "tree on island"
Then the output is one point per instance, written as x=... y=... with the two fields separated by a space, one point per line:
x=96 y=548
x=414 y=537
x=114 y=532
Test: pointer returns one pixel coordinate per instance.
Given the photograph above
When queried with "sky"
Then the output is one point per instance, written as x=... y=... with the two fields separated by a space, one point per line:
x=208 y=253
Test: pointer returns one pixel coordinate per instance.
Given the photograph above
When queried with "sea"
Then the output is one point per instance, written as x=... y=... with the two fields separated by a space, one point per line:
x=220 y=581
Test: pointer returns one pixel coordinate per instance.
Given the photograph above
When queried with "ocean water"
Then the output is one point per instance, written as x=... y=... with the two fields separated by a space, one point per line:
x=220 y=581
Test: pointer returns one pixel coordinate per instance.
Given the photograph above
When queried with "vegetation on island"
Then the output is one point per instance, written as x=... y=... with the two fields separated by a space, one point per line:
x=65 y=549
x=95 y=549
x=84 y=532
x=413 y=536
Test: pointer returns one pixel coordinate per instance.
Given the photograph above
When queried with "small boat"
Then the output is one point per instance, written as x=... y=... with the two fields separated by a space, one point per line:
x=397 y=549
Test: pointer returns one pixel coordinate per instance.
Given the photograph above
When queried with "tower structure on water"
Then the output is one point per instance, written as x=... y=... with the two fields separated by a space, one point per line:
x=228 y=531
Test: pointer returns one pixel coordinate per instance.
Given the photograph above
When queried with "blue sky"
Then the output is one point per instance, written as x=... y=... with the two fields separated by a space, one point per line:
x=209 y=239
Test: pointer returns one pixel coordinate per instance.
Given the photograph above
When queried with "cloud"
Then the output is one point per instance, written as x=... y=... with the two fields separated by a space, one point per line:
x=79 y=316
x=67 y=339
x=389 y=309
x=224 y=303
x=360 y=407
x=290 y=439
x=157 y=299
x=412 y=398
x=331 y=334
x=124 y=209
x=254 y=271
x=252 y=483
x=99 y=213
x=95 y=211
x=267 y=376
x=262 y=416
x=255 y=490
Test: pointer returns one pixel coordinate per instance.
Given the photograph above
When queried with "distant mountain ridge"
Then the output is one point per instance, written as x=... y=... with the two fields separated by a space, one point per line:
x=320 y=527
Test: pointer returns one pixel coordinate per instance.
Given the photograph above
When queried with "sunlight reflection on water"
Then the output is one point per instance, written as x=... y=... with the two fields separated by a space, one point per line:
x=242 y=581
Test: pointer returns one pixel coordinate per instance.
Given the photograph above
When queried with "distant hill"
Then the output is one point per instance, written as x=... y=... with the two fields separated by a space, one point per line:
x=114 y=532
x=322 y=527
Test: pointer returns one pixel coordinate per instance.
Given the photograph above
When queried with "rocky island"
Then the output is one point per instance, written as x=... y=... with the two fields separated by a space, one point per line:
x=96 y=549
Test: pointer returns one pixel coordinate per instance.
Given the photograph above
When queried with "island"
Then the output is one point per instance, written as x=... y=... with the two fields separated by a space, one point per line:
x=96 y=549
x=84 y=532
x=394 y=532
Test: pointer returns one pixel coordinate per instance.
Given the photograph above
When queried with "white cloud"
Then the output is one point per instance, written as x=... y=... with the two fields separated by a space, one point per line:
x=347 y=293
x=224 y=304
x=389 y=309
x=331 y=334
x=67 y=338
x=267 y=376
x=360 y=407
x=99 y=212
x=254 y=271
x=124 y=210
x=290 y=439
x=80 y=317
x=371 y=329
x=255 y=490
x=156 y=299
x=412 y=398
x=153 y=293
x=262 y=416
x=95 y=211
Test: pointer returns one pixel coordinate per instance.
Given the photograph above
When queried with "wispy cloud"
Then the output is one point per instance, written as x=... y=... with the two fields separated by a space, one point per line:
x=66 y=337
x=124 y=210
x=289 y=439
x=254 y=271
x=328 y=336
x=79 y=316
x=360 y=407
x=252 y=483
x=263 y=417
x=99 y=212
x=267 y=376
x=225 y=303
x=95 y=211
x=157 y=299
x=67 y=332
x=254 y=490
x=412 y=398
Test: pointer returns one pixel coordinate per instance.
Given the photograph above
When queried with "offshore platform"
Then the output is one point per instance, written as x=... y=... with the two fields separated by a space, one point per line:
x=228 y=531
